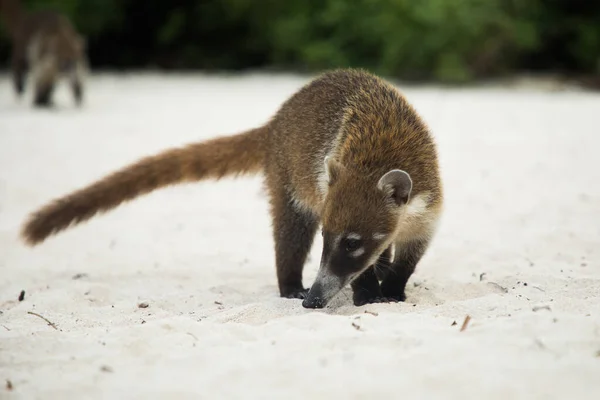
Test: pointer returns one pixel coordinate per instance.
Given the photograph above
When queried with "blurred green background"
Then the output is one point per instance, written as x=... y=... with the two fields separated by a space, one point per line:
x=442 y=40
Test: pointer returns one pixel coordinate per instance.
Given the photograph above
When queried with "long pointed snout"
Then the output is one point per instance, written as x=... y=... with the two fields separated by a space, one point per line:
x=326 y=286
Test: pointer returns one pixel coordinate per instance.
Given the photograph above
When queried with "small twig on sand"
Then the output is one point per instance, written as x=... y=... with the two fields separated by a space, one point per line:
x=356 y=326
x=52 y=324
x=496 y=286
x=371 y=312
x=22 y=295
x=192 y=335
x=6 y=327
x=531 y=264
x=107 y=368
x=538 y=308
x=465 y=323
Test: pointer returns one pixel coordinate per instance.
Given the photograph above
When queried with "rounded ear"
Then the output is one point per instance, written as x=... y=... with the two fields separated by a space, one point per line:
x=332 y=170
x=397 y=184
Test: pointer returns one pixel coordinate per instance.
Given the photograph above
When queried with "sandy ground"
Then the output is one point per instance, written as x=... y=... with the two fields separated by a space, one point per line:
x=517 y=251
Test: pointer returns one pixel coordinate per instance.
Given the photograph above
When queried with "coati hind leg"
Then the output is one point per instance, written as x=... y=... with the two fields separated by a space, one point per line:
x=366 y=287
x=77 y=89
x=76 y=78
x=406 y=259
x=293 y=231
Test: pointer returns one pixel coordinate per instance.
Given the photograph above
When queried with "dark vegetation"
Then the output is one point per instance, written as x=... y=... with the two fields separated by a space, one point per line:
x=451 y=41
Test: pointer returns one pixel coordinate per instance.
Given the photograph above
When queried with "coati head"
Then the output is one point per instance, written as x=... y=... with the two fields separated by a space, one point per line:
x=62 y=49
x=360 y=218
x=69 y=50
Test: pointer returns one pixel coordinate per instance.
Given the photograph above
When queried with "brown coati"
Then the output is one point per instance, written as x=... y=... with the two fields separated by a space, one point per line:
x=347 y=151
x=46 y=44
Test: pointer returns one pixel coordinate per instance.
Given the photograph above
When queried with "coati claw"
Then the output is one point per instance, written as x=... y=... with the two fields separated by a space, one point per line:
x=394 y=297
x=388 y=300
x=361 y=302
x=296 y=294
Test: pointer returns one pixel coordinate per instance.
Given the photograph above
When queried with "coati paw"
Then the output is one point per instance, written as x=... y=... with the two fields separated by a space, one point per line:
x=392 y=293
x=399 y=298
x=295 y=293
x=43 y=102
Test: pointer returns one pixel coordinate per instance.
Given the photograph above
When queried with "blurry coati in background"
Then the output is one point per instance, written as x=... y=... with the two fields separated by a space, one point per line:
x=46 y=44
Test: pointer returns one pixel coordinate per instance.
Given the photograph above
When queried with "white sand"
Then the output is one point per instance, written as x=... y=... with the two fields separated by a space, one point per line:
x=522 y=176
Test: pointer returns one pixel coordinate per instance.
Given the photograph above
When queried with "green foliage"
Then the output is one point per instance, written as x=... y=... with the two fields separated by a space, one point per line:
x=446 y=40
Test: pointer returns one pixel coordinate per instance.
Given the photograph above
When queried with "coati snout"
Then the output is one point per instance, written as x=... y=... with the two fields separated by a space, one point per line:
x=360 y=216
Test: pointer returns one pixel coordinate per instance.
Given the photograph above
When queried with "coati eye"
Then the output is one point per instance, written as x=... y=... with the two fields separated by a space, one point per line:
x=351 y=244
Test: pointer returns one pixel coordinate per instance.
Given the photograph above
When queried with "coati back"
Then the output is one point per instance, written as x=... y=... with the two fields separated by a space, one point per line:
x=346 y=152
x=47 y=44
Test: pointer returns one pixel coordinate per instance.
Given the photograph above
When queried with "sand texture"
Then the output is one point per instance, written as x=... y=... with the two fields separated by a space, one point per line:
x=517 y=250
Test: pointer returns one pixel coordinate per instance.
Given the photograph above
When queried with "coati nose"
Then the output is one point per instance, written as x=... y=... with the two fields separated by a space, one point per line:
x=314 y=298
x=326 y=286
x=313 y=302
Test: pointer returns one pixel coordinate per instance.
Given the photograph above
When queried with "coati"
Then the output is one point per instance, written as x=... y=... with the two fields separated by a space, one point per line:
x=46 y=43
x=346 y=151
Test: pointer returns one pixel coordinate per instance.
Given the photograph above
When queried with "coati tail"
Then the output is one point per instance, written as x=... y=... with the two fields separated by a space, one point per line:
x=216 y=158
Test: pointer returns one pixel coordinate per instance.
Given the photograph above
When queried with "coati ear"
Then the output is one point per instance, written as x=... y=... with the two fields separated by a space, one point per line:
x=333 y=169
x=397 y=184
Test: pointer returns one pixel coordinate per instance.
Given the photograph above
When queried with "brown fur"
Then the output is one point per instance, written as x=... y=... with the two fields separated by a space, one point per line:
x=212 y=159
x=46 y=43
x=366 y=129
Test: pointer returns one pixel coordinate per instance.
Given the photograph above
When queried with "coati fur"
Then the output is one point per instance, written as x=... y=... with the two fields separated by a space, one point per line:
x=47 y=44
x=346 y=152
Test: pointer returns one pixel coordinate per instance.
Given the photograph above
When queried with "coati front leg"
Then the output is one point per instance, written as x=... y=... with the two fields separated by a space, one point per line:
x=366 y=287
x=19 y=72
x=406 y=259
x=43 y=93
x=45 y=74
x=294 y=232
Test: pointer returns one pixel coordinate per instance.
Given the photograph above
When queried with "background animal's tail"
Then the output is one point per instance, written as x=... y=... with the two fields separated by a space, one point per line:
x=242 y=153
